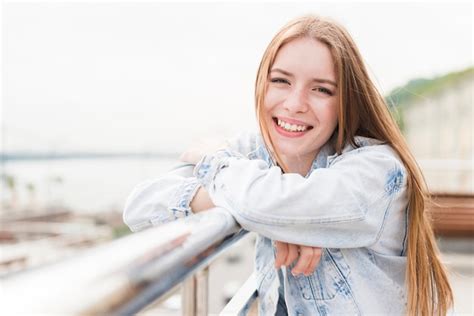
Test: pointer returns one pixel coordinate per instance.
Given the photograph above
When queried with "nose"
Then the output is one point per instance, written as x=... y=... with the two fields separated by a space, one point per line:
x=296 y=101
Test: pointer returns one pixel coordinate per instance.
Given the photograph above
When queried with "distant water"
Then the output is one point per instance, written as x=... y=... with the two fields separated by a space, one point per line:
x=84 y=185
x=94 y=185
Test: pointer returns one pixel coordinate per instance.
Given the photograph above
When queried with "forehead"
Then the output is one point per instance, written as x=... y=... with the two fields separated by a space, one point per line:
x=306 y=57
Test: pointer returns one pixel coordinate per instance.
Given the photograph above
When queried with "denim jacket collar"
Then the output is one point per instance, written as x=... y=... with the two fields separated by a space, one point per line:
x=320 y=161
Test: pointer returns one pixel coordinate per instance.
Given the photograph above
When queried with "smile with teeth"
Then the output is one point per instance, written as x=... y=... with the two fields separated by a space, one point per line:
x=291 y=127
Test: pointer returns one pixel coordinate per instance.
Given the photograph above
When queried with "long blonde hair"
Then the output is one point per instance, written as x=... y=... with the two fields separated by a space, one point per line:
x=363 y=111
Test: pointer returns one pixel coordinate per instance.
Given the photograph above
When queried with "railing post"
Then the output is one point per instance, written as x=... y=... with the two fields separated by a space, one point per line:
x=195 y=299
x=202 y=297
x=187 y=297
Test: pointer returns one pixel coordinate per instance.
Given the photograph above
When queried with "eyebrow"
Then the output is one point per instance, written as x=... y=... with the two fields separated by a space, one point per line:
x=289 y=74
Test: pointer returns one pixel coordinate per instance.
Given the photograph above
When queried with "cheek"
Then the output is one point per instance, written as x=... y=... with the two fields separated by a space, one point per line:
x=326 y=113
x=330 y=109
x=333 y=115
x=272 y=98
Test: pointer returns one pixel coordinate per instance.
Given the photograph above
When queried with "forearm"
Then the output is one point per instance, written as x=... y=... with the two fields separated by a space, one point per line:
x=201 y=201
x=159 y=200
x=244 y=143
x=341 y=206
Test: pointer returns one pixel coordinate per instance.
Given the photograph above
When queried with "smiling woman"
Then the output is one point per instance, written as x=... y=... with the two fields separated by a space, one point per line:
x=301 y=102
x=328 y=184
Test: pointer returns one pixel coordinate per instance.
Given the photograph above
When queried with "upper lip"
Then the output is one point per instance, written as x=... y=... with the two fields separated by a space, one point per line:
x=292 y=121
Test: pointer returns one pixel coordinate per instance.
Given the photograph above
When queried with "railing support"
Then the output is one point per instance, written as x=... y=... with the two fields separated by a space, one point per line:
x=195 y=298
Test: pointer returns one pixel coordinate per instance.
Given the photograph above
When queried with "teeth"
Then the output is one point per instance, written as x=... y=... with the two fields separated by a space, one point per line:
x=291 y=127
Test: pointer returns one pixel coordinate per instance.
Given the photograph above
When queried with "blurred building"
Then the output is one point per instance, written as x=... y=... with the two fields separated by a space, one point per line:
x=436 y=116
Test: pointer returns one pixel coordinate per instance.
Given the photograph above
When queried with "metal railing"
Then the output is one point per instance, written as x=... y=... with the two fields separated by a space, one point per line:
x=126 y=275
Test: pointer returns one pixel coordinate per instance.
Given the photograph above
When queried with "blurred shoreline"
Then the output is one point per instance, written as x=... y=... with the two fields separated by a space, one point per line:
x=18 y=156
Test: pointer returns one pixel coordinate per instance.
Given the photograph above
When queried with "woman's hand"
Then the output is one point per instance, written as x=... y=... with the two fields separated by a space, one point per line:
x=287 y=253
x=202 y=147
x=201 y=201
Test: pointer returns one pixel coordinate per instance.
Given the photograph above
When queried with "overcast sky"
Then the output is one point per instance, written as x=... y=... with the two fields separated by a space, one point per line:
x=154 y=76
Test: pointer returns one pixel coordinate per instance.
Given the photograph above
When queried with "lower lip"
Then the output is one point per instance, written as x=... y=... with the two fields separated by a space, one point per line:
x=285 y=133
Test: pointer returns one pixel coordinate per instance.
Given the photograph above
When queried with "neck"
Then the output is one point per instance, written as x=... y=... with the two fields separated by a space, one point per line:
x=301 y=165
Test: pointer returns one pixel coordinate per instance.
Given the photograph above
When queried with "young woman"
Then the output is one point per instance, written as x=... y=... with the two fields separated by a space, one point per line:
x=329 y=170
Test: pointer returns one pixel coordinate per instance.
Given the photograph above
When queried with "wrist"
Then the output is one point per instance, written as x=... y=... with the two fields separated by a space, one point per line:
x=201 y=201
x=208 y=167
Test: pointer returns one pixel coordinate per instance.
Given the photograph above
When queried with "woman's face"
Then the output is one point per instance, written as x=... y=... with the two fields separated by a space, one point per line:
x=300 y=106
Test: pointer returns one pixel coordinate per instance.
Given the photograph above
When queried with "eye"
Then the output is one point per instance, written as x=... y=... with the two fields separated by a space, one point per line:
x=279 y=80
x=323 y=90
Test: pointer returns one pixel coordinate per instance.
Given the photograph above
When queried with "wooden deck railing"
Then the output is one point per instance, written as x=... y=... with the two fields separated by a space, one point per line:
x=453 y=214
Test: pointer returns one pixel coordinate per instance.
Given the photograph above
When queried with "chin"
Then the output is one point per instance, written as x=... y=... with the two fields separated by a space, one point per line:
x=290 y=150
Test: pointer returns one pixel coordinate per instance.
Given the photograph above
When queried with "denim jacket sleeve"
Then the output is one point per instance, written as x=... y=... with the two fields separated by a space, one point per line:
x=341 y=206
x=168 y=197
x=161 y=200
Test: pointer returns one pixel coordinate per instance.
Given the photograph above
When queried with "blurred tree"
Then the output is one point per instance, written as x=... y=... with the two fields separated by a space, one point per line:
x=419 y=89
x=10 y=183
x=30 y=187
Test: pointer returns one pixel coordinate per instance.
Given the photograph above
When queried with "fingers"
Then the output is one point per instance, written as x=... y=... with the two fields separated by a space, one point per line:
x=281 y=253
x=308 y=261
x=314 y=261
x=190 y=156
x=285 y=254
x=202 y=147
x=306 y=255
x=292 y=254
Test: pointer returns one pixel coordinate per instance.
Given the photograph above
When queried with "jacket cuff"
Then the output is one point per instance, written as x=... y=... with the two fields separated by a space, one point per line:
x=179 y=205
x=210 y=165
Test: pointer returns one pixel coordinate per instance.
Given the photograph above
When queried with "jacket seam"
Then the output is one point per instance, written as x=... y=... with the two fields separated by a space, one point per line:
x=139 y=226
x=404 y=246
x=384 y=221
x=345 y=281
x=283 y=221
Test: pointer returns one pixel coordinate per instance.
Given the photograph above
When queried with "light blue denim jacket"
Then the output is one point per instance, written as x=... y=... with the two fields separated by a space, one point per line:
x=353 y=204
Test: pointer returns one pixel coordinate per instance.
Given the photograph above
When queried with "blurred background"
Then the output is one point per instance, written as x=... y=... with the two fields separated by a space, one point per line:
x=97 y=97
